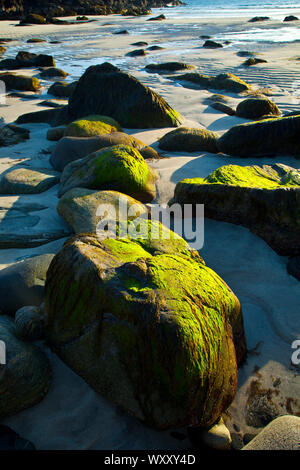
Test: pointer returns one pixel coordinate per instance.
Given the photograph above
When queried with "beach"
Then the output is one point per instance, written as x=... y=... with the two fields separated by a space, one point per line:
x=73 y=416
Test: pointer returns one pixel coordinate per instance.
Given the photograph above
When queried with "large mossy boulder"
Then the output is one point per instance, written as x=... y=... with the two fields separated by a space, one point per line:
x=190 y=139
x=158 y=346
x=106 y=90
x=265 y=199
x=223 y=81
x=269 y=137
x=79 y=208
x=23 y=283
x=255 y=108
x=25 y=378
x=69 y=149
x=90 y=126
x=120 y=168
x=20 y=82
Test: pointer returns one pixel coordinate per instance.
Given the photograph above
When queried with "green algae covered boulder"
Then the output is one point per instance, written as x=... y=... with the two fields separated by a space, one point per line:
x=270 y=137
x=189 y=139
x=151 y=342
x=223 y=81
x=120 y=168
x=106 y=90
x=26 y=377
x=255 y=108
x=20 y=82
x=265 y=199
x=79 y=207
x=90 y=126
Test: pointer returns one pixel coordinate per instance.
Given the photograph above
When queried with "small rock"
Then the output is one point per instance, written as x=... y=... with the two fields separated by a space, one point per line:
x=223 y=108
x=155 y=48
x=254 y=61
x=237 y=442
x=52 y=72
x=26 y=377
x=257 y=107
x=136 y=53
x=157 y=18
x=217 y=436
x=12 y=135
x=258 y=18
x=30 y=323
x=123 y=31
x=212 y=44
x=35 y=40
x=140 y=44
x=291 y=18
x=23 y=283
x=168 y=67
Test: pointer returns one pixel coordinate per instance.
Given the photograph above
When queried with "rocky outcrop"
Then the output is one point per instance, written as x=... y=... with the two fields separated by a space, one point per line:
x=270 y=137
x=21 y=9
x=157 y=346
x=265 y=199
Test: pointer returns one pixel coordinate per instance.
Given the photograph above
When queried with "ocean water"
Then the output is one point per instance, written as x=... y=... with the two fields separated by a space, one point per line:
x=235 y=8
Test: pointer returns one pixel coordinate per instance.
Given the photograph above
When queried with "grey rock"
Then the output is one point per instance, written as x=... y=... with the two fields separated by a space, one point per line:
x=282 y=433
x=25 y=378
x=23 y=283
x=27 y=181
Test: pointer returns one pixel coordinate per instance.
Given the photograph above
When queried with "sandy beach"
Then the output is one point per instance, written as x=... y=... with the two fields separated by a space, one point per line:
x=72 y=415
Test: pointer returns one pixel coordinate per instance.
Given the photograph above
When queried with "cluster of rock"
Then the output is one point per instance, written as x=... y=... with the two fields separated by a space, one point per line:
x=122 y=291
x=40 y=11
